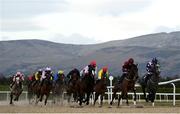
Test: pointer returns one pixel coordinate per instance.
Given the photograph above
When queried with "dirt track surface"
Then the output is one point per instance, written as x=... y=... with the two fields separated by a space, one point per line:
x=85 y=109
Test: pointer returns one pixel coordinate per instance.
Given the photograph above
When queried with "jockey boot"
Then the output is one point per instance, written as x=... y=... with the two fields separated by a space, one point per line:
x=11 y=85
x=41 y=83
x=147 y=77
x=97 y=81
x=122 y=78
x=20 y=84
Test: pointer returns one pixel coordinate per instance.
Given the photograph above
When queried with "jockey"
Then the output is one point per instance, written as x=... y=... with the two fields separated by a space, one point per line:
x=91 y=68
x=126 y=68
x=37 y=76
x=150 y=68
x=69 y=75
x=47 y=74
x=59 y=75
x=21 y=78
x=103 y=73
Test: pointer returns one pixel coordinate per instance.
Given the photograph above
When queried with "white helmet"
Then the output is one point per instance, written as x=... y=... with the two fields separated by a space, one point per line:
x=18 y=73
x=48 y=69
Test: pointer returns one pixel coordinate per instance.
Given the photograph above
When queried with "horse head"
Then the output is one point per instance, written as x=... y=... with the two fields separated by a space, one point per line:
x=133 y=74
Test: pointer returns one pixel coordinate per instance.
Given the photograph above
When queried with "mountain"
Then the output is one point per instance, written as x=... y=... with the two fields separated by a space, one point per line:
x=29 y=55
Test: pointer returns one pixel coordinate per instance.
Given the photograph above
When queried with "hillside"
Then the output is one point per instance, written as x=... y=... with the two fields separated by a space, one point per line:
x=29 y=55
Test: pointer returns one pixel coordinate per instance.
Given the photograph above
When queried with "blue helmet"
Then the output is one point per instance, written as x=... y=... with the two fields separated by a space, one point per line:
x=154 y=60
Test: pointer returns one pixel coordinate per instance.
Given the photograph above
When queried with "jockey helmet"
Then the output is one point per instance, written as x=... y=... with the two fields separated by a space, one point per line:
x=60 y=72
x=40 y=71
x=105 y=69
x=93 y=63
x=126 y=63
x=18 y=74
x=48 y=69
x=154 y=60
x=131 y=61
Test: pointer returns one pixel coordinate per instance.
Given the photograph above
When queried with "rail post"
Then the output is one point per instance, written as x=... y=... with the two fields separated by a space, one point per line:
x=111 y=79
x=174 y=92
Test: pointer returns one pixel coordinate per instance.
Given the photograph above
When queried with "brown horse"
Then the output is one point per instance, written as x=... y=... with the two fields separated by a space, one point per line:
x=16 y=90
x=127 y=84
x=100 y=89
x=33 y=91
x=85 y=87
x=45 y=89
x=58 y=89
x=72 y=87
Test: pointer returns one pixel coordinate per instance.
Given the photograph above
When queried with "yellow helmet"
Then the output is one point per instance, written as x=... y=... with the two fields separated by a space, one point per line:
x=60 y=72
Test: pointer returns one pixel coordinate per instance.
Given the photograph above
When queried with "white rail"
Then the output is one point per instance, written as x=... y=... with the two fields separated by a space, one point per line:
x=138 y=85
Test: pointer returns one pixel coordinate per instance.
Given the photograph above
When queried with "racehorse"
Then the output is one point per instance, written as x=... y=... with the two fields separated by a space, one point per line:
x=72 y=87
x=127 y=84
x=45 y=89
x=33 y=91
x=86 y=87
x=151 y=86
x=16 y=90
x=99 y=89
x=58 y=89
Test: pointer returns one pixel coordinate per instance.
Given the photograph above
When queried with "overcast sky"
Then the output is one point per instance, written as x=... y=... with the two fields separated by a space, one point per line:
x=86 y=21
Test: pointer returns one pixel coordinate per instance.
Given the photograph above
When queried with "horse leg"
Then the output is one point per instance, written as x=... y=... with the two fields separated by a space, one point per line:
x=144 y=92
x=41 y=97
x=134 y=96
x=96 y=97
x=45 y=102
x=153 y=97
x=126 y=95
x=87 y=99
x=114 y=95
x=120 y=97
x=11 y=98
x=102 y=95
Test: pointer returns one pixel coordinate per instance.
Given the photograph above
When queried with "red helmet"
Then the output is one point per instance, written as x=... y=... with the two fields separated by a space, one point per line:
x=105 y=69
x=131 y=61
x=93 y=63
x=126 y=63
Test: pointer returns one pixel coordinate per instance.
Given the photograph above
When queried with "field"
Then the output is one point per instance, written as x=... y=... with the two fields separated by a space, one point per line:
x=24 y=107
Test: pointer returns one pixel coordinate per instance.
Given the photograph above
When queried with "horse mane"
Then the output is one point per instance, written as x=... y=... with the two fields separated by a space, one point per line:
x=132 y=74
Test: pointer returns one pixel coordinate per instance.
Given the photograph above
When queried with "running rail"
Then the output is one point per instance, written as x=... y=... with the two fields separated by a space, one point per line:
x=138 y=85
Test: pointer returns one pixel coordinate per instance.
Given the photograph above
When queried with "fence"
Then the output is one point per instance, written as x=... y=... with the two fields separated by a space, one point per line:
x=4 y=95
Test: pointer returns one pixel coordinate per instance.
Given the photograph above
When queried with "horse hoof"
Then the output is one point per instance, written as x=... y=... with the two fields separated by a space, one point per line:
x=110 y=103
x=100 y=106
x=153 y=104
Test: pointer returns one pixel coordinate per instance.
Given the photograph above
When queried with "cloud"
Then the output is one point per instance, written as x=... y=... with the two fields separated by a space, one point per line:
x=108 y=7
x=19 y=25
x=167 y=29
x=28 y=8
x=73 y=39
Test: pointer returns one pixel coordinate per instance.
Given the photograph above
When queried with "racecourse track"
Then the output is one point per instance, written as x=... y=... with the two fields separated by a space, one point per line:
x=142 y=107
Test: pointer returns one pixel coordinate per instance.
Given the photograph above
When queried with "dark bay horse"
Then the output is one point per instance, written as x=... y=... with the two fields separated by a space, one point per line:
x=58 y=89
x=72 y=88
x=100 y=89
x=151 y=86
x=86 y=88
x=16 y=90
x=45 y=89
x=33 y=91
x=127 y=84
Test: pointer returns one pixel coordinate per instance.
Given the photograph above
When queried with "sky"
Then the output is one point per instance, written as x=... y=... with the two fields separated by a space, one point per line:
x=86 y=21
